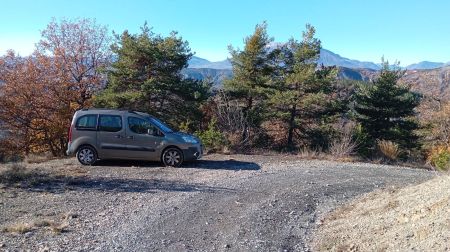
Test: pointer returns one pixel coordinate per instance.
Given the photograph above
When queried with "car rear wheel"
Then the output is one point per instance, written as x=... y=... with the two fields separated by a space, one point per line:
x=172 y=157
x=87 y=155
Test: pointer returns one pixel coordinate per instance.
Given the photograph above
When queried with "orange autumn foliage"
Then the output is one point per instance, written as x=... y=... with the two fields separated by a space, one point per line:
x=40 y=93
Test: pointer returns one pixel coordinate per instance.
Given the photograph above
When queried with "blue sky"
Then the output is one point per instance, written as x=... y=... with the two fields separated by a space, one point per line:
x=408 y=31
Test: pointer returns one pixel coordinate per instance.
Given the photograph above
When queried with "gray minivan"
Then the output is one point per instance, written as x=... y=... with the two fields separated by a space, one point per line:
x=115 y=134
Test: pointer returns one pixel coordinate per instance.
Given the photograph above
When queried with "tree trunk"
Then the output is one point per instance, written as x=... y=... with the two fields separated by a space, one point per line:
x=246 y=126
x=290 y=140
x=63 y=146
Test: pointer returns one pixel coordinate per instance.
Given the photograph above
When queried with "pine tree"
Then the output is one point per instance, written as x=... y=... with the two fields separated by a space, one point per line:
x=386 y=110
x=147 y=76
x=252 y=71
x=302 y=90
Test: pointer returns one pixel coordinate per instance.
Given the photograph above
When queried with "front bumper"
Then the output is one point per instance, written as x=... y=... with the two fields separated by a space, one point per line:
x=193 y=153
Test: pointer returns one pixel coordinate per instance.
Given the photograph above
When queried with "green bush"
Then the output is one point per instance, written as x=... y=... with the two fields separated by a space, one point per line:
x=441 y=159
x=212 y=138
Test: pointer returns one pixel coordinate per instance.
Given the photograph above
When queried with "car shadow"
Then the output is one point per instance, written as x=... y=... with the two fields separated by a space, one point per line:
x=51 y=183
x=127 y=163
x=230 y=164
x=139 y=185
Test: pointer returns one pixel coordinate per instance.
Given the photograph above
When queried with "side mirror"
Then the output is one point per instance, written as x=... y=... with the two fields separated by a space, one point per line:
x=153 y=132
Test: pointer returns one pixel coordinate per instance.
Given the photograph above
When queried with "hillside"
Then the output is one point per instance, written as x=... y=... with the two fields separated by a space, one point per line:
x=360 y=74
x=434 y=82
x=414 y=218
x=216 y=75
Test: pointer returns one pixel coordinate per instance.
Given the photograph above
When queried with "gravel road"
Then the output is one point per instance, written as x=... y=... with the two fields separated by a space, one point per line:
x=222 y=203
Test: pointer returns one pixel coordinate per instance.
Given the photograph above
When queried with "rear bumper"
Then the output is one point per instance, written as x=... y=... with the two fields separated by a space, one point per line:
x=193 y=153
x=69 y=151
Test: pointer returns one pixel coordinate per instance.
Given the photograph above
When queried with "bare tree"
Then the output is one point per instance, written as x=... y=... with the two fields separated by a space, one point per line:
x=231 y=118
x=344 y=145
x=81 y=50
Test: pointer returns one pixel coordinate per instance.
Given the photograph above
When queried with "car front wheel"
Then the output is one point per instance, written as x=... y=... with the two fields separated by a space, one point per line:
x=172 y=157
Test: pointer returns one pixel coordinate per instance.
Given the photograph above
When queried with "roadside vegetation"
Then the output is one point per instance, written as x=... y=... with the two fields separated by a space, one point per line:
x=279 y=98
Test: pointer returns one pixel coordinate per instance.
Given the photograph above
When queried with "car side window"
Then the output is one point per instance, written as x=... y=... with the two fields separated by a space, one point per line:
x=139 y=125
x=86 y=122
x=110 y=123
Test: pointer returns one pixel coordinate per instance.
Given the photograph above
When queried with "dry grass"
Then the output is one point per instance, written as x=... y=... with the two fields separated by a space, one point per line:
x=38 y=158
x=307 y=153
x=31 y=175
x=15 y=172
x=56 y=227
x=389 y=149
x=414 y=218
x=344 y=146
x=20 y=228
x=43 y=223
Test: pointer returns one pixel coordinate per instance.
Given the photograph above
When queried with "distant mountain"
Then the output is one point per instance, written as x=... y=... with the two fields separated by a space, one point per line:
x=217 y=76
x=329 y=58
x=429 y=78
x=197 y=62
x=360 y=74
x=430 y=82
x=425 y=65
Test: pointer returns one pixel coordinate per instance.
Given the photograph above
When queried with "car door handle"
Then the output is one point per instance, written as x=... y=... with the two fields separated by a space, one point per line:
x=130 y=137
x=118 y=136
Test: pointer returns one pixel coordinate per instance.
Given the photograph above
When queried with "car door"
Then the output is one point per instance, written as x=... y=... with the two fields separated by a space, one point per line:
x=141 y=144
x=111 y=137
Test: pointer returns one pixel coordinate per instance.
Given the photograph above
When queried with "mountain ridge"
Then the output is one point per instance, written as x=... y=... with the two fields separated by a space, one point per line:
x=327 y=58
x=426 y=77
x=425 y=65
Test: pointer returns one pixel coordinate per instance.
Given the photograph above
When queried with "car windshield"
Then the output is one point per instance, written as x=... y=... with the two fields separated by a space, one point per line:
x=162 y=126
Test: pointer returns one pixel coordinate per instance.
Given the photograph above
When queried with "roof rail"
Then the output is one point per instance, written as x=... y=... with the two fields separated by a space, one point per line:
x=126 y=110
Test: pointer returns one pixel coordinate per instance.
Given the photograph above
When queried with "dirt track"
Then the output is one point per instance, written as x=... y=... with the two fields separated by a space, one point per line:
x=223 y=203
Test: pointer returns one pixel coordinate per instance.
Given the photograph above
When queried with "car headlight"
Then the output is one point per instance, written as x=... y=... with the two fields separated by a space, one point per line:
x=189 y=139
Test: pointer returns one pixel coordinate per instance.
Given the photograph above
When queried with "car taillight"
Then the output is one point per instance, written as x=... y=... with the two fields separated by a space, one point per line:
x=70 y=133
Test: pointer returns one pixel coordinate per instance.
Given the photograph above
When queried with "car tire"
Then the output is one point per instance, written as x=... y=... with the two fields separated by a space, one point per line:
x=172 y=157
x=86 y=155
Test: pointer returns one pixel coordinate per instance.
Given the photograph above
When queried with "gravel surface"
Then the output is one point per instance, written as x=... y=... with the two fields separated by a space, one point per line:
x=414 y=218
x=222 y=203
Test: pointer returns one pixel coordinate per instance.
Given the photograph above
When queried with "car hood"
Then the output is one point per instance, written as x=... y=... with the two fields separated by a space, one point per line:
x=181 y=134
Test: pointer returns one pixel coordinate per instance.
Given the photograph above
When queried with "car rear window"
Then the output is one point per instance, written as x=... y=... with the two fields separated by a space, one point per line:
x=87 y=122
x=110 y=123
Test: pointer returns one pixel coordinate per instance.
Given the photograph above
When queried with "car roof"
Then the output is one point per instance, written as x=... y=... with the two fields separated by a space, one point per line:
x=110 y=111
